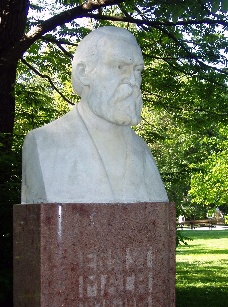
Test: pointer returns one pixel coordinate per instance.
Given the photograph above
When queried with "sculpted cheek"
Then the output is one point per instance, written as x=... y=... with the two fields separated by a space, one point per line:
x=123 y=91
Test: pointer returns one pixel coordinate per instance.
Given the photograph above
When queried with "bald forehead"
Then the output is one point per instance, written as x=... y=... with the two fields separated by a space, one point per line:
x=120 y=49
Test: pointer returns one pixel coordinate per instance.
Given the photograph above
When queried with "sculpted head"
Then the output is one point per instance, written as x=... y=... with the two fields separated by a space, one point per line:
x=106 y=74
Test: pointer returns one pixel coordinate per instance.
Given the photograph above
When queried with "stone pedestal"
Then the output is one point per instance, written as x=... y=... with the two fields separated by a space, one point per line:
x=94 y=255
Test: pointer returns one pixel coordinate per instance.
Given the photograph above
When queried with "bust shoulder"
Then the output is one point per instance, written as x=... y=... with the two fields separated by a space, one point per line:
x=56 y=130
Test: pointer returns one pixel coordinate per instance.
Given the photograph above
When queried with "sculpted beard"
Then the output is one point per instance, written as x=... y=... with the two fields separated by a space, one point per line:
x=128 y=103
x=122 y=107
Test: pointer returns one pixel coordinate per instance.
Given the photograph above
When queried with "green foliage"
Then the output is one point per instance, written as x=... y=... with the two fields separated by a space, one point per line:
x=181 y=239
x=210 y=185
x=185 y=106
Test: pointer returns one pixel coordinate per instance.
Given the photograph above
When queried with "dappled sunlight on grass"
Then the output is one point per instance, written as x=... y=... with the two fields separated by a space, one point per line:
x=202 y=270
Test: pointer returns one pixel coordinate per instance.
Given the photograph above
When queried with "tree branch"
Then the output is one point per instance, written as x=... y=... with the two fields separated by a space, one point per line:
x=64 y=51
x=17 y=51
x=59 y=41
x=49 y=80
x=59 y=45
x=154 y=23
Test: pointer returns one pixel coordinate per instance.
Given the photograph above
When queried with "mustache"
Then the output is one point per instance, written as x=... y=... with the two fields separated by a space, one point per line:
x=126 y=90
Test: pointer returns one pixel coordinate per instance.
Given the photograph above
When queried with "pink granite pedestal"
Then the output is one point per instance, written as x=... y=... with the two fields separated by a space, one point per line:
x=94 y=255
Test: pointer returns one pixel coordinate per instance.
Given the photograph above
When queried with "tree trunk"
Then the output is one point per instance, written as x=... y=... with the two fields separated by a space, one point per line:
x=7 y=103
x=13 y=14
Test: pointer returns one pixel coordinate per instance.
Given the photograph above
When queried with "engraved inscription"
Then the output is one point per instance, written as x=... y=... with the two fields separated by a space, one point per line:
x=116 y=278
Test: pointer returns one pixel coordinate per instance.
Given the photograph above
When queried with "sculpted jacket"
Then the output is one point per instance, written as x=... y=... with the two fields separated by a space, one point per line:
x=63 y=163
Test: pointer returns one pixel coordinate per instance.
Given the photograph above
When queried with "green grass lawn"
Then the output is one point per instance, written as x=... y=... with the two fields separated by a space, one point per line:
x=202 y=269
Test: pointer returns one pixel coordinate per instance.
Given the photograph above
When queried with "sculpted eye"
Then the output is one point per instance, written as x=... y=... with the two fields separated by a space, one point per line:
x=138 y=68
x=120 y=67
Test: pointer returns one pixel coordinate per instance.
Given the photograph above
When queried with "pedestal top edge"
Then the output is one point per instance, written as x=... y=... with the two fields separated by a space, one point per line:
x=99 y=204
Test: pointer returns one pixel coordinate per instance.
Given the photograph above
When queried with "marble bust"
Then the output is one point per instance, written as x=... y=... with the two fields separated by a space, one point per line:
x=91 y=154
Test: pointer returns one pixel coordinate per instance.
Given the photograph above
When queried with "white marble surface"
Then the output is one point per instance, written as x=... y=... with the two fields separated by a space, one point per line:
x=91 y=154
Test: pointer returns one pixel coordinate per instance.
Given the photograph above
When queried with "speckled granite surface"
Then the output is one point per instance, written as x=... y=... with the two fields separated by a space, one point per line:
x=94 y=255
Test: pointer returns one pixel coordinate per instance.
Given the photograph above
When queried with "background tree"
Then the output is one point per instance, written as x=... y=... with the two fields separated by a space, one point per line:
x=184 y=89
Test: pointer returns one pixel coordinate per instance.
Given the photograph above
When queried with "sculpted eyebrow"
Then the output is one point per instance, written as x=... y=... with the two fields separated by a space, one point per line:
x=141 y=65
x=122 y=61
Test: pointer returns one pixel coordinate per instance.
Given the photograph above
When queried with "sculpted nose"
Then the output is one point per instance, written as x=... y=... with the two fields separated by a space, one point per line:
x=131 y=79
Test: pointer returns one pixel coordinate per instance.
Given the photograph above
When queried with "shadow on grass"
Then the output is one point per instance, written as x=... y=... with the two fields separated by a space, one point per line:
x=206 y=234
x=201 y=297
x=198 y=250
x=197 y=274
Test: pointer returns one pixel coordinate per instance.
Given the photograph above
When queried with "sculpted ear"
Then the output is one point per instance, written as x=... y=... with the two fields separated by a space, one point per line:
x=81 y=73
